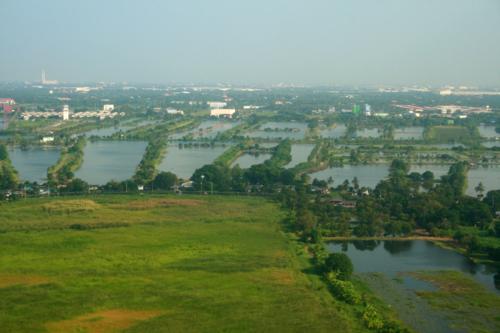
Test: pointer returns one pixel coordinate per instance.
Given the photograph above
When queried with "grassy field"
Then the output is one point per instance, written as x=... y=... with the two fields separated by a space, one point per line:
x=157 y=264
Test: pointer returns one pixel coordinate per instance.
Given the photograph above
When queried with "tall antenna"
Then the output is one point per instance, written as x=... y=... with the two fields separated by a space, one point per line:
x=43 y=75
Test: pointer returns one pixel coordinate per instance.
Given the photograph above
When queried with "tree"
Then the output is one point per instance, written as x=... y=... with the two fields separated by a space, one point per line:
x=340 y=264
x=492 y=199
x=479 y=190
x=165 y=180
x=306 y=222
x=77 y=185
x=4 y=155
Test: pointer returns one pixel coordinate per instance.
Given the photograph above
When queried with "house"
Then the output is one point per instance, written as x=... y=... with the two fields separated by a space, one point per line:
x=343 y=203
x=217 y=105
x=47 y=139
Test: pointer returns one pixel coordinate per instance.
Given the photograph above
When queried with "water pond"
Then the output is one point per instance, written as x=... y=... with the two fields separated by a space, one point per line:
x=334 y=132
x=368 y=175
x=371 y=175
x=280 y=130
x=394 y=257
x=207 y=129
x=388 y=268
x=300 y=153
x=489 y=176
x=368 y=133
x=408 y=133
x=32 y=164
x=104 y=161
x=246 y=160
x=183 y=160
x=488 y=132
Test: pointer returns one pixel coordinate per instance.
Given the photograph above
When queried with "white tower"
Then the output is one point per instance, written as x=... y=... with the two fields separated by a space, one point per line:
x=65 y=112
x=43 y=76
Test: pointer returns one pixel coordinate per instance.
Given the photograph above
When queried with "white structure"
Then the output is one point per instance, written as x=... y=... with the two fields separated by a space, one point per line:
x=174 y=111
x=222 y=112
x=65 y=112
x=108 y=107
x=82 y=90
x=251 y=107
x=368 y=110
x=217 y=105
x=47 y=139
x=45 y=81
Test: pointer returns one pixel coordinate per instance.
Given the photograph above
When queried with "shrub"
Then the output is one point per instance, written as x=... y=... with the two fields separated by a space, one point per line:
x=372 y=318
x=340 y=264
x=343 y=290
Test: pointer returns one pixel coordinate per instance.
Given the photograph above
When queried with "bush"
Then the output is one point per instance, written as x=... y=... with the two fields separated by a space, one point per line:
x=372 y=318
x=340 y=264
x=343 y=290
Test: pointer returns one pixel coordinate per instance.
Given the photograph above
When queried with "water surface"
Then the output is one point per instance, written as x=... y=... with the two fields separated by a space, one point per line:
x=334 y=132
x=246 y=160
x=104 y=161
x=183 y=160
x=300 y=153
x=368 y=175
x=206 y=129
x=283 y=130
x=393 y=257
x=32 y=164
x=488 y=132
x=408 y=133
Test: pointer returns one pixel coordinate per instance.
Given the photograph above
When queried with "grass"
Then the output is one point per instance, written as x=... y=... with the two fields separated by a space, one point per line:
x=448 y=134
x=158 y=264
x=469 y=305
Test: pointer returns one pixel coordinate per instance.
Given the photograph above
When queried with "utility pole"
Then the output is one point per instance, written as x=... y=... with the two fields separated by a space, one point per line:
x=202 y=177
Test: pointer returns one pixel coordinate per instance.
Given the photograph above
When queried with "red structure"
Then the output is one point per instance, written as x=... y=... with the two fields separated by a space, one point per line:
x=7 y=104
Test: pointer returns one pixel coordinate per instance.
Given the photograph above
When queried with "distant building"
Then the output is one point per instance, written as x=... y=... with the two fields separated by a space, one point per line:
x=222 y=112
x=82 y=89
x=381 y=114
x=65 y=112
x=108 y=107
x=47 y=82
x=251 y=107
x=217 y=105
x=368 y=110
x=7 y=101
x=47 y=139
x=356 y=109
x=173 y=111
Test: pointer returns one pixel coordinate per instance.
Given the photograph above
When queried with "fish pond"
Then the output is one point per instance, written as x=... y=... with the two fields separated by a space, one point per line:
x=183 y=159
x=104 y=161
x=280 y=130
x=32 y=164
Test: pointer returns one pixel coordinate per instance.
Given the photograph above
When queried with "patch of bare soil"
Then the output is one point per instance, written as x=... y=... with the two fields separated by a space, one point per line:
x=7 y=280
x=155 y=203
x=101 y=321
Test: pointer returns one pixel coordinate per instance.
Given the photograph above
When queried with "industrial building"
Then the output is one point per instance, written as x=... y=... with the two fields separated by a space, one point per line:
x=222 y=112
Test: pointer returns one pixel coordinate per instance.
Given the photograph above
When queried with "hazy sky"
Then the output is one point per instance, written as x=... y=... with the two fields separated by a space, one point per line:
x=366 y=42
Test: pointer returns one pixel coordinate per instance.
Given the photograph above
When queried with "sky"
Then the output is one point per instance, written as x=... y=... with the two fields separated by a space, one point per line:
x=256 y=42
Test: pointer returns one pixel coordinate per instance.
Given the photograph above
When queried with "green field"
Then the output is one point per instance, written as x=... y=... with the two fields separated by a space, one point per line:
x=157 y=264
x=449 y=134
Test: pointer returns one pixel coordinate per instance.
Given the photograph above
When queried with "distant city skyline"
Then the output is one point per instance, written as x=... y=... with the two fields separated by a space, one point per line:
x=322 y=42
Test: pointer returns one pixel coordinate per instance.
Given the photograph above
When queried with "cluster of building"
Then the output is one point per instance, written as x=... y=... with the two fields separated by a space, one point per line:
x=218 y=109
x=444 y=110
x=106 y=112
x=170 y=111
